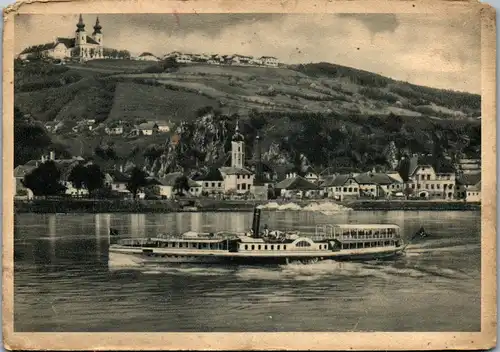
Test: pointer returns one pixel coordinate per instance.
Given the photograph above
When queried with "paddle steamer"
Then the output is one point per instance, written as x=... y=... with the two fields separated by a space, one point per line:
x=337 y=242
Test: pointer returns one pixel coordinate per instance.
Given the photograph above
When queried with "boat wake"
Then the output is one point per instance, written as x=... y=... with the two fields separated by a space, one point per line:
x=326 y=208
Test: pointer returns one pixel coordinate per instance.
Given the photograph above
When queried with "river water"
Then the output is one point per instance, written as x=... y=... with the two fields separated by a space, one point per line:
x=64 y=281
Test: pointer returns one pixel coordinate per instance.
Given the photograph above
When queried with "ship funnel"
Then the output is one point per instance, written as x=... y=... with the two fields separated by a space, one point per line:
x=256 y=222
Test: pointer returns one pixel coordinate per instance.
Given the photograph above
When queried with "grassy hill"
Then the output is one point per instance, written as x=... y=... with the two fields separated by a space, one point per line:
x=340 y=101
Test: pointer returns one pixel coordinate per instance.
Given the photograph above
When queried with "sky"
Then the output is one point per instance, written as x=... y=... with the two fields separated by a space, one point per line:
x=419 y=48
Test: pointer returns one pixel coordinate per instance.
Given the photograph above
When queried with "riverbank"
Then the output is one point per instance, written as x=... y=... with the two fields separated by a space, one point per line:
x=211 y=205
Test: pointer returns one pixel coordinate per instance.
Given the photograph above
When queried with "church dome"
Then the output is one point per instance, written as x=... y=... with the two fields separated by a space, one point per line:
x=80 y=25
x=237 y=136
x=97 y=27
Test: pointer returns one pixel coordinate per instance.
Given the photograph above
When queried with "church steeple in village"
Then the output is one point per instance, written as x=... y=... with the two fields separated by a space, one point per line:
x=237 y=148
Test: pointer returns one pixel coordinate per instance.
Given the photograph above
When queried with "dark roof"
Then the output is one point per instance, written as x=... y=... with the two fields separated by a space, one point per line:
x=229 y=170
x=169 y=179
x=69 y=42
x=90 y=40
x=147 y=125
x=118 y=176
x=296 y=183
x=340 y=180
x=146 y=54
x=328 y=181
x=469 y=179
x=375 y=178
x=212 y=175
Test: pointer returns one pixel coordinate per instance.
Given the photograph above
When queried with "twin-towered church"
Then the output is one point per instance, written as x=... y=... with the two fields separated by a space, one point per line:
x=83 y=45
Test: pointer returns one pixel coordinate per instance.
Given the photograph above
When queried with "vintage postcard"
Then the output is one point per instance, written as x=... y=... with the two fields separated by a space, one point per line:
x=227 y=175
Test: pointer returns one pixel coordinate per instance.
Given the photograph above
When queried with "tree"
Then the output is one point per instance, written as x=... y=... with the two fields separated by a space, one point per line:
x=44 y=180
x=408 y=191
x=77 y=176
x=137 y=181
x=94 y=178
x=181 y=184
x=169 y=62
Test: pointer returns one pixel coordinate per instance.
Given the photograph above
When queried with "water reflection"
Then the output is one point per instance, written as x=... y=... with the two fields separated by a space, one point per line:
x=65 y=267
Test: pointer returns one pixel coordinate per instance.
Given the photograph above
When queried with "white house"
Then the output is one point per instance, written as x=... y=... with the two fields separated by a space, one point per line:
x=164 y=126
x=343 y=187
x=212 y=183
x=378 y=185
x=166 y=188
x=269 y=61
x=148 y=128
x=114 y=131
x=184 y=58
x=117 y=181
x=424 y=182
x=468 y=187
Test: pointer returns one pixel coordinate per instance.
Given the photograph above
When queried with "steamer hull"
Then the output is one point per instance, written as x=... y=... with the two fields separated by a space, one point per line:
x=135 y=257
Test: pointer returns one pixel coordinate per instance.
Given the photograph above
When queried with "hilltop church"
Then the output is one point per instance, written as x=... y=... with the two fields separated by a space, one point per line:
x=81 y=46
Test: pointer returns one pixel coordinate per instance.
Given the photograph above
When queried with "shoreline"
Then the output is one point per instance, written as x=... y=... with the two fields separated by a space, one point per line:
x=53 y=206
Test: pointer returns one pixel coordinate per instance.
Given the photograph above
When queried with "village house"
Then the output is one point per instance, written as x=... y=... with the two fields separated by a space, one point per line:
x=236 y=177
x=424 y=182
x=270 y=61
x=81 y=46
x=164 y=127
x=212 y=182
x=20 y=191
x=183 y=58
x=148 y=128
x=65 y=167
x=147 y=57
x=117 y=181
x=114 y=131
x=53 y=126
x=297 y=187
x=343 y=187
x=378 y=185
x=166 y=187
x=468 y=187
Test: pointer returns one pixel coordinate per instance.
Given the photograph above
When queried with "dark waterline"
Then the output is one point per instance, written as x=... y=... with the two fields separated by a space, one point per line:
x=65 y=282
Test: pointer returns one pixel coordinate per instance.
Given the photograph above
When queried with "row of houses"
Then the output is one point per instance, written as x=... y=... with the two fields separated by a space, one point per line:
x=423 y=183
x=216 y=59
x=115 y=128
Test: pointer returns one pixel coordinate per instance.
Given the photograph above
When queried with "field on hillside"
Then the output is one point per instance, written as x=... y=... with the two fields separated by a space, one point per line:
x=355 y=114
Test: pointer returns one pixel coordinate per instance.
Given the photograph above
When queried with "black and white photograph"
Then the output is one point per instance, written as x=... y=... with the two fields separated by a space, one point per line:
x=248 y=172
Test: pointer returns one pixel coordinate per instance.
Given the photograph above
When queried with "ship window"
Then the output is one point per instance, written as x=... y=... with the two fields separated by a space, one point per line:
x=246 y=246
x=284 y=247
x=272 y=247
x=303 y=244
x=265 y=247
x=258 y=247
x=278 y=247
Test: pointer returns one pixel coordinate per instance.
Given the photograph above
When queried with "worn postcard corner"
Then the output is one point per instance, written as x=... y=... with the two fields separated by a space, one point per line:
x=214 y=175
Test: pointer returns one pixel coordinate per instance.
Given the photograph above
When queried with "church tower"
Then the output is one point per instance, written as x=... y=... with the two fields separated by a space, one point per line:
x=97 y=35
x=80 y=35
x=237 y=149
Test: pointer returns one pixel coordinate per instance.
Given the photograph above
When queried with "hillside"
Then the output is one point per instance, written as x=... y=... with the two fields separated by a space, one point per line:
x=353 y=114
